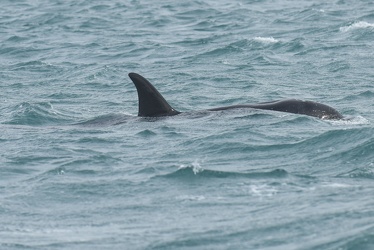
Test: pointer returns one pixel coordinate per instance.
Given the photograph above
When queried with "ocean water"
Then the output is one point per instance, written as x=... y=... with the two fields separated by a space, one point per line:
x=80 y=170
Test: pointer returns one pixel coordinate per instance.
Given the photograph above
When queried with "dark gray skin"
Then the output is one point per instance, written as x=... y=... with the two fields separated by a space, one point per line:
x=153 y=104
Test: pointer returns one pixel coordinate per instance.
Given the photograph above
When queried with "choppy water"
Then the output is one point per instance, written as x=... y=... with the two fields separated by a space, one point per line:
x=241 y=179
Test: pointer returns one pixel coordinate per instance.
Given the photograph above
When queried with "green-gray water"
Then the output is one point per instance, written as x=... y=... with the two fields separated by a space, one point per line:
x=236 y=179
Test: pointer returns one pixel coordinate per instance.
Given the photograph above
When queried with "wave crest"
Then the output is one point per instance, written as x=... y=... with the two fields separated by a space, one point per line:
x=265 y=40
x=357 y=25
x=34 y=114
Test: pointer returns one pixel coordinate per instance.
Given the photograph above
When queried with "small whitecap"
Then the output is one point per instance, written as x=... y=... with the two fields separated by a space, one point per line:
x=191 y=197
x=262 y=190
x=356 y=25
x=319 y=10
x=60 y=171
x=337 y=185
x=265 y=39
x=195 y=166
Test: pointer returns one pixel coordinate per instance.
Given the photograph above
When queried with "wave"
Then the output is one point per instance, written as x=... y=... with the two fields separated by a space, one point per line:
x=357 y=25
x=360 y=173
x=361 y=237
x=33 y=114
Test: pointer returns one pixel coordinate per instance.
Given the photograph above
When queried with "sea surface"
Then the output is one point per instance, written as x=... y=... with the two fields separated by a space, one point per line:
x=80 y=170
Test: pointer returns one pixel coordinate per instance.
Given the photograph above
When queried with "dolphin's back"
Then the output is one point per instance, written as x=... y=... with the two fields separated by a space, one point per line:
x=302 y=107
x=292 y=106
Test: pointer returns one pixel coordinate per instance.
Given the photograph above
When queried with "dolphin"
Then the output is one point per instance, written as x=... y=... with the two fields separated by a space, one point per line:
x=153 y=104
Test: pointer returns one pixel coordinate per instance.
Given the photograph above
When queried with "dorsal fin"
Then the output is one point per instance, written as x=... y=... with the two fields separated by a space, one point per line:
x=151 y=102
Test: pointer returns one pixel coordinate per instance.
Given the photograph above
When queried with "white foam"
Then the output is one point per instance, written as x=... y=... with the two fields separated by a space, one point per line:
x=195 y=166
x=265 y=39
x=358 y=120
x=262 y=190
x=357 y=25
